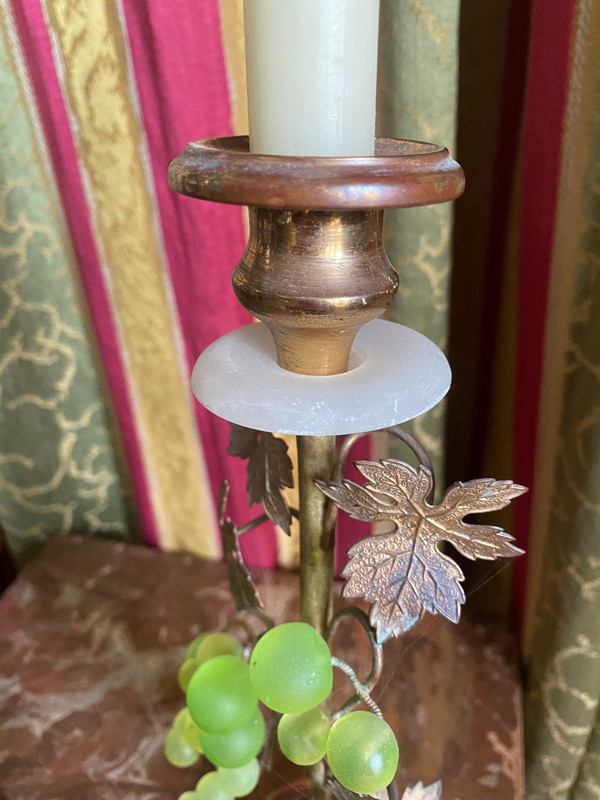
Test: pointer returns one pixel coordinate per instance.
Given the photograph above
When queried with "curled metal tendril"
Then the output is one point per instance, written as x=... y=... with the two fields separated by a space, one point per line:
x=362 y=688
x=354 y=680
x=330 y=513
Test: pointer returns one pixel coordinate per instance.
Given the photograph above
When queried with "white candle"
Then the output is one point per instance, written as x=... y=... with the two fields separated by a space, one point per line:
x=312 y=73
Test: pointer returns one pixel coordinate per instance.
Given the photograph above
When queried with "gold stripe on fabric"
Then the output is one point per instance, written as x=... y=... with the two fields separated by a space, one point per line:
x=92 y=64
x=232 y=32
x=569 y=227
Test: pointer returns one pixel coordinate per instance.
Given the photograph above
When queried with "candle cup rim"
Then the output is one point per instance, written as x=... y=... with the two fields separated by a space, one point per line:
x=385 y=147
x=402 y=173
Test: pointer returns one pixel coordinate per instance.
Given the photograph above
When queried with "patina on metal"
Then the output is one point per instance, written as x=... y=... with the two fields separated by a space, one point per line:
x=401 y=174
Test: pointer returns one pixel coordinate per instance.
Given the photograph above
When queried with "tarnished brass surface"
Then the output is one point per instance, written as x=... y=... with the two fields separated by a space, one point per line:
x=314 y=269
x=314 y=277
x=316 y=457
x=401 y=174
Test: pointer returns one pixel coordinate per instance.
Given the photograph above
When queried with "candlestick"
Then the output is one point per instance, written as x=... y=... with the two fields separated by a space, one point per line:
x=311 y=74
x=314 y=271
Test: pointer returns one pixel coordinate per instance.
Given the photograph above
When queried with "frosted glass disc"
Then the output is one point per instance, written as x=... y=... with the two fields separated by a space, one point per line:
x=395 y=374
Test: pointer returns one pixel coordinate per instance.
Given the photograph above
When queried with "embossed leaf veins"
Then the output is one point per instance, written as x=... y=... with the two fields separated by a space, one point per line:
x=403 y=573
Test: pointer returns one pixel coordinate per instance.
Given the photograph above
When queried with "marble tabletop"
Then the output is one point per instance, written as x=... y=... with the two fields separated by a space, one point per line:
x=92 y=633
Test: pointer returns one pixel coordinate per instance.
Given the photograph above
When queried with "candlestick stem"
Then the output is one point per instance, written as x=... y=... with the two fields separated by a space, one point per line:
x=316 y=459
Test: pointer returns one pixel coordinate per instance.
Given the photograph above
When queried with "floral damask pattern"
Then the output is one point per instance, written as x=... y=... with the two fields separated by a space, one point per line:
x=59 y=469
x=417 y=100
x=563 y=641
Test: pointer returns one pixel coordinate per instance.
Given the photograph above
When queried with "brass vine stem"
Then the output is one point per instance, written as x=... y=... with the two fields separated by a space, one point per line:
x=360 y=689
x=316 y=459
x=366 y=686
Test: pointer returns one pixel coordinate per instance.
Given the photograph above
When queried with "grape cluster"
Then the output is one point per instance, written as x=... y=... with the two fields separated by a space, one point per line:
x=290 y=672
x=221 y=719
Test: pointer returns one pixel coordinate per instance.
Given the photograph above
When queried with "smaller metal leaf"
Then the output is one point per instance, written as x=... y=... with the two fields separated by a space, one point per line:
x=420 y=792
x=242 y=586
x=269 y=471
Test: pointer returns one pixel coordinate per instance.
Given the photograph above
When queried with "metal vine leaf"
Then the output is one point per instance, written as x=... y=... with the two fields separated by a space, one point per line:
x=402 y=572
x=269 y=471
x=245 y=593
x=420 y=792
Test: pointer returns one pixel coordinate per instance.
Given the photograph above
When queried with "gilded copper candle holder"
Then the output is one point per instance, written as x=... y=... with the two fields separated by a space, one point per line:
x=314 y=272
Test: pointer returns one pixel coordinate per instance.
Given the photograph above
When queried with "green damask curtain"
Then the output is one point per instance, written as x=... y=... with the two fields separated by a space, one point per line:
x=562 y=637
x=418 y=85
x=60 y=467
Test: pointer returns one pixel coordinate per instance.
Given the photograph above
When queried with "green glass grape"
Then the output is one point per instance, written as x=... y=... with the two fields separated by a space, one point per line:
x=193 y=645
x=303 y=737
x=242 y=780
x=217 y=644
x=177 y=751
x=290 y=668
x=187 y=729
x=362 y=752
x=238 y=747
x=210 y=787
x=186 y=670
x=188 y=796
x=220 y=696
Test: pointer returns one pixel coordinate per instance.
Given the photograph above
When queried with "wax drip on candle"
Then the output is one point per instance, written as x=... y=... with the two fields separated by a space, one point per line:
x=312 y=74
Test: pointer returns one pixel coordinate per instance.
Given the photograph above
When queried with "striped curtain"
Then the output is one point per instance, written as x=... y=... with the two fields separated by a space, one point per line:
x=110 y=286
x=418 y=94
